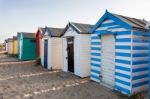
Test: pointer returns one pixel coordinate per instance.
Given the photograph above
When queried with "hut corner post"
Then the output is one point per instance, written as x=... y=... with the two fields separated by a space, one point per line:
x=149 y=65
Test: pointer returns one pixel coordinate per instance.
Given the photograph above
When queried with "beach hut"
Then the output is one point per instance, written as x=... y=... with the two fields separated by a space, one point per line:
x=27 y=46
x=15 y=45
x=76 y=49
x=119 y=53
x=6 y=45
x=148 y=27
x=39 y=33
x=10 y=46
x=51 y=50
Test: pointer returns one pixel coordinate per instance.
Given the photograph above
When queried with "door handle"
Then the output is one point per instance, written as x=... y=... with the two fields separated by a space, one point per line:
x=66 y=57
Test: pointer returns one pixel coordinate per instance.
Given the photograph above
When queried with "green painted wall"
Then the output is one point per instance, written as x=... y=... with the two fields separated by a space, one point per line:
x=28 y=50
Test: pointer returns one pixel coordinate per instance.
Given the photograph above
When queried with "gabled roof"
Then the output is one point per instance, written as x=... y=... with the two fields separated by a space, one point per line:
x=54 y=32
x=41 y=29
x=124 y=21
x=79 y=27
x=27 y=35
x=14 y=37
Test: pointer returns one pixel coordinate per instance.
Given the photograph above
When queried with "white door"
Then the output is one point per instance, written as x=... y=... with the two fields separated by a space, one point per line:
x=108 y=60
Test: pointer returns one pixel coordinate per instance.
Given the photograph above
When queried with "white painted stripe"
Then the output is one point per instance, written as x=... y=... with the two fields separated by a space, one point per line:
x=123 y=51
x=95 y=51
x=95 y=79
x=123 y=65
x=140 y=44
x=117 y=30
x=96 y=40
x=123 y=36
x=123 y=58
x=140 y=51
x=106 y=28
x=122 y=78
x=139 y=80
x=98 y=57
x=123 y=72
x=123 y=86
x=93 y=35
x=95 y=62
x=140 y=37
x=95 y=74
x=108 y=21
x=95 y=68
x=123 y=43
x=138 y=66
x=96 y=46
x=139 y=89
x=140 y=58
x=139 y=73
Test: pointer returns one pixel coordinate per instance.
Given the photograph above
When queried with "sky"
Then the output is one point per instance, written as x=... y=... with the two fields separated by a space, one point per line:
x=28 y=15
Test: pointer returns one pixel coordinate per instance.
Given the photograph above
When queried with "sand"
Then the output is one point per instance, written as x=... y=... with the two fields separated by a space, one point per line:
x=26 y=80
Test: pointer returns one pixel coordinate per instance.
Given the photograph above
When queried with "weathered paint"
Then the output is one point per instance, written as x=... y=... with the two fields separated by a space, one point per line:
x=15 y=46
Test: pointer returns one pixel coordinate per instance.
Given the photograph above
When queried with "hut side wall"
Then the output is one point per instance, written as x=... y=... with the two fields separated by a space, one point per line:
x=140 y=61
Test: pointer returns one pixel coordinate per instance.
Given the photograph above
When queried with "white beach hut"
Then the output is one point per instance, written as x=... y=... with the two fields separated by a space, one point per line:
x=76 y=49
x=51 y=48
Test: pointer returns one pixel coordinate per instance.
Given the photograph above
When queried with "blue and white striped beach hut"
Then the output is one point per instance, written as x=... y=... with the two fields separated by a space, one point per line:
x=119 y=53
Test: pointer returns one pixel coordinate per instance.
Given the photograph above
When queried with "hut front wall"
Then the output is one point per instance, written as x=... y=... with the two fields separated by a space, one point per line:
x=10 y=47
x=55 y=53
x=28 y=49
x=123 y=59
x=140 y=61
x=15 y=47
x=77 y=51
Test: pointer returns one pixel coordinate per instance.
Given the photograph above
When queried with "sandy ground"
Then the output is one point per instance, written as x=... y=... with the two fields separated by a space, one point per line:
x=26 y=80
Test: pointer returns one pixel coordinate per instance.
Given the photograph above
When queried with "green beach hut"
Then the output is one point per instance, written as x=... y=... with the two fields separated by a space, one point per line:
x=27 y=46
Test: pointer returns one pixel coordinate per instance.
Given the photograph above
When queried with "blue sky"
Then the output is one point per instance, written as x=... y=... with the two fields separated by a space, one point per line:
x=27 y=15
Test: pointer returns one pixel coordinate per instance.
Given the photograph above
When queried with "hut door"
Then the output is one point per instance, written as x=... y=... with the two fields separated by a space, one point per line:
x=45 y=53
x=108 y=60
x=70 y=52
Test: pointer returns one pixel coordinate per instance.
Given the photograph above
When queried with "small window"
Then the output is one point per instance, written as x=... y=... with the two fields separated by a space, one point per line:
x=32 y=40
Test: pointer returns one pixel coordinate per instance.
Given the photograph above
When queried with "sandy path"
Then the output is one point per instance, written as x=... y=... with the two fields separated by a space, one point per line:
x=26 y=80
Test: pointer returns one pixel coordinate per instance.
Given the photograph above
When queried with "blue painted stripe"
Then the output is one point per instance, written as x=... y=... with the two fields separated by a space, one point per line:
x=140 y=84
x=108 y=24
x=95 y=77
x=95 y=71
x=140 y=62
x=140 y=69
x=123 y=54
x=122 y=75
x=140 y=77
x=137 y=33
x=122 y=82
x=96 y=65
x=122 y=68
x=95 y=37
x=123 y=47
x=123 y=33
x=95 y=43
x=96 y=48
x=95 y=54
x=122 y=61
x=96 y=59
x=140 y=55
x=140 y=47
x=114 y=27
x=123 y=40
x=139 y=41
x=124 y=90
